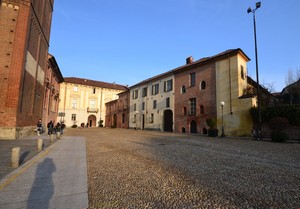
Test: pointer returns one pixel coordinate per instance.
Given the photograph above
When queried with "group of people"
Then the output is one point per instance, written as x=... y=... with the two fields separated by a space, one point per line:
x=52 y=129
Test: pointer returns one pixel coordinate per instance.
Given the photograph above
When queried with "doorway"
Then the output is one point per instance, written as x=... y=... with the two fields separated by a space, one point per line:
x=92 y=120
x=115 y=119
x=168 y=120
x=193 y=127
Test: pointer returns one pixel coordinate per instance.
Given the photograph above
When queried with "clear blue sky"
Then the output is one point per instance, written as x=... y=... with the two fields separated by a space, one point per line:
x=127 y=41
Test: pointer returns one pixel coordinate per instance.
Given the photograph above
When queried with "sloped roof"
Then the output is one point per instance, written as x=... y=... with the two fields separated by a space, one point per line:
x=87 y=82
x=201 y=61
x=55 y=68
x=285 y=89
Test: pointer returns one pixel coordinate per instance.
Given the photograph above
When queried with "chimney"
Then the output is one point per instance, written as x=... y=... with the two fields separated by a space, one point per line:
x=189 y=60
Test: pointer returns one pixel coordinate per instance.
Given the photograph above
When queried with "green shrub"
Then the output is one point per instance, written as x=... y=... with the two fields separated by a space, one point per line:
x=212 y=123
x=291 y=112
x=279 y=136
x=278 y=123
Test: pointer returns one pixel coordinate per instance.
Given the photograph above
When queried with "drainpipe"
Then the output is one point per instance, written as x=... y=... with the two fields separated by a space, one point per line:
x=230 y=87
x=101 y=89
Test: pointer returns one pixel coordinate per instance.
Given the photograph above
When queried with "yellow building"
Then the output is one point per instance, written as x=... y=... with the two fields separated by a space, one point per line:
x=82 y=101
x=231 y=94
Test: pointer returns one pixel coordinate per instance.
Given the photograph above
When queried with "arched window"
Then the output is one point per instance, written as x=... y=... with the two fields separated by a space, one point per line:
x=183 y=90
x=201 y=109
x=202 y=85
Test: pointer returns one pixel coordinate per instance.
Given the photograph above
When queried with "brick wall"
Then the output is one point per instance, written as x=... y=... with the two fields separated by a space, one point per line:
x=22 y=88
x=14 y=27
x=116 y=110
x=205 y=97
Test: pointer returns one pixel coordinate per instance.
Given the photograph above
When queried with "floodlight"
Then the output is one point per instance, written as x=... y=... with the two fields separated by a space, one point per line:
x=249 y=10
x=258 y=4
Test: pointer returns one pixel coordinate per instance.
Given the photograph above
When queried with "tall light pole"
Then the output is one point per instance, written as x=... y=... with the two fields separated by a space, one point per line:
x=222 y=106
x=258 y=131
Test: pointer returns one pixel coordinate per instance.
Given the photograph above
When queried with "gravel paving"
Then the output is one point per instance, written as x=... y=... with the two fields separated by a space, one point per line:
x=144 y=169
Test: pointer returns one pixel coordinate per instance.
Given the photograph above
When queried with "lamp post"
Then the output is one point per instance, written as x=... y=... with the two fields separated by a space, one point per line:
x=258 y=131
x=222 y=106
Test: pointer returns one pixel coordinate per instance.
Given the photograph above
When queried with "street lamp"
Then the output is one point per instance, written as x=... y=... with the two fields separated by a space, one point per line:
x=222 y=105
x=258 y=131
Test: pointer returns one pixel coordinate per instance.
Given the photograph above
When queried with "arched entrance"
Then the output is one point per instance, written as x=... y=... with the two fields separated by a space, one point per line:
x=92 y=120
x=193 y=127
x=115 y=119
x=168 y=120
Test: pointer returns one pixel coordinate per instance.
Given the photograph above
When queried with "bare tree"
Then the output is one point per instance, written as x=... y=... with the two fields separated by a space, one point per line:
x=289 y=78
x=292 y=76
x=269 y=86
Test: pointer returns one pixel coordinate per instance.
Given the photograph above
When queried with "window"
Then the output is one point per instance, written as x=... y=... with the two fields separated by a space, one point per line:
x=123 y=118
x=151 y=118
x=73 y=118
x=134 y=107
x=168 y=85
x=92 y=104
x=192 y=79
x=75 y=88
x=168 y=102
x=144 y=92
x=242 y=72
x=155 y=89
x=154 y=104
x=74 y=103
x=202 y=85
x=143 y=105
x=183 y=90
x=135 y=94
x=193 y=106
x=201 y=109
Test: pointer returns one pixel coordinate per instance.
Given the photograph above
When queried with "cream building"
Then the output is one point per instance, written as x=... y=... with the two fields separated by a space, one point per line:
x=152 y=103
x=82 y=101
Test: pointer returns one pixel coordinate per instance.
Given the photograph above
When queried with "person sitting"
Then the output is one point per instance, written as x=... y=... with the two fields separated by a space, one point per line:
x=39 y=126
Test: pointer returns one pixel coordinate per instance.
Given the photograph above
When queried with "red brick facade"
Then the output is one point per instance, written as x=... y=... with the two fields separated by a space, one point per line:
x=205 y=98
x=117 y=111
x=52 y=88
x=24 y=42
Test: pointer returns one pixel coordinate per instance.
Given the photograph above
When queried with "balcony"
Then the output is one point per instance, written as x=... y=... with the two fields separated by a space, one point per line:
x=92 y=110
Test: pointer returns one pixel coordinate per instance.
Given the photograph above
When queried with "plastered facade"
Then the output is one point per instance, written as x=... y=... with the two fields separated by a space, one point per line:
x=84 y=103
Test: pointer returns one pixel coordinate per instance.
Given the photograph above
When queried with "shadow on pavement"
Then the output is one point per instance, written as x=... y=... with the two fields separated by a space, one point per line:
x=42 y=189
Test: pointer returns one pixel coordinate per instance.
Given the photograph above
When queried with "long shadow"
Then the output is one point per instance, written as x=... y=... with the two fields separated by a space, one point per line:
x=42 y=189
x=23 y=157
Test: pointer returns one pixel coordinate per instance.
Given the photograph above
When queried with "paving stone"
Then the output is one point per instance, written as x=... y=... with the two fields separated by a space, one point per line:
x=144 y=169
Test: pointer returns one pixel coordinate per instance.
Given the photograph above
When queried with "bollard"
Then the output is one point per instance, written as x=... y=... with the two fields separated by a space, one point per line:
x=51 y=138
x=15 y=157
x=39 y=145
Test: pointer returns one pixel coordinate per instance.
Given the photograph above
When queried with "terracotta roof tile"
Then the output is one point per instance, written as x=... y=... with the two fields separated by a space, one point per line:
x=197 y=62
x=87 y=82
